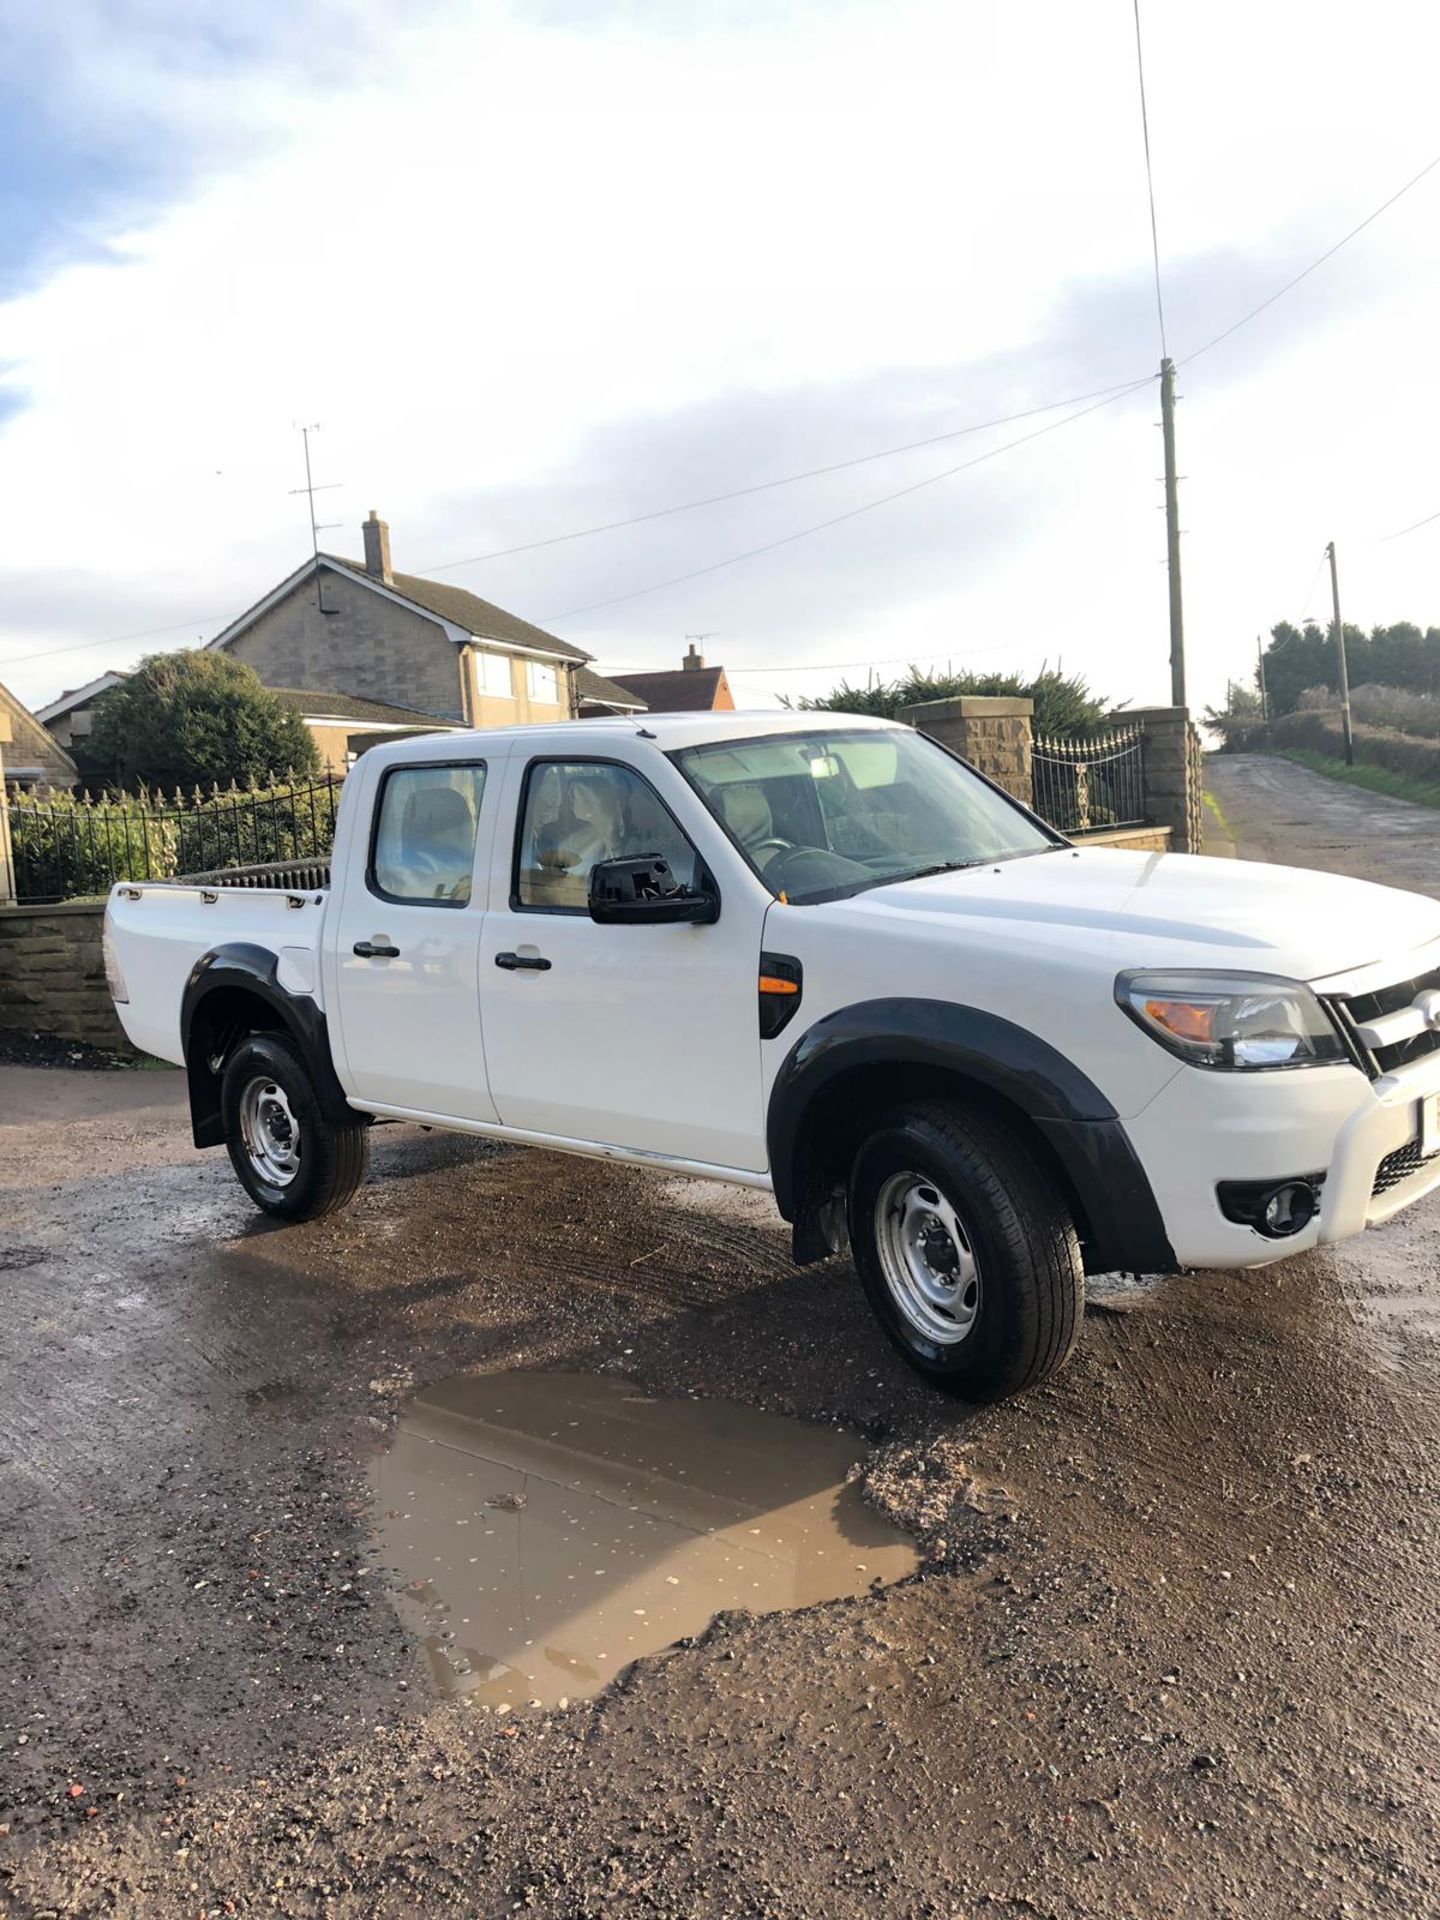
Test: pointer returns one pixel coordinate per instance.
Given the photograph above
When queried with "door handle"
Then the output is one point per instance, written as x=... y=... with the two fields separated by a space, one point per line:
x=531 y=963
x=376 y=950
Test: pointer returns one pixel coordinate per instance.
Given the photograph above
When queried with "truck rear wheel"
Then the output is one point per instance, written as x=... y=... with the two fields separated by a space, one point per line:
x=967 y=1253
x=289 y=1158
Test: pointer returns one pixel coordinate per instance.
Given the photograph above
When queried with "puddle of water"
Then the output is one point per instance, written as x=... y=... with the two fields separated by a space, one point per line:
x=551 y=1528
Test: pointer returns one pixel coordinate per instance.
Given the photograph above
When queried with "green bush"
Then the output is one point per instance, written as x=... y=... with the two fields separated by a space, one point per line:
x=194 y=716
x=66 y=847
x=243 y=829
x=1064 y=704
x=1322 y=733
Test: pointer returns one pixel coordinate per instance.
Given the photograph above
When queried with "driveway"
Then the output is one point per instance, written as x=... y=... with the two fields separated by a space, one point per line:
x=1172 y=1647
x=1276 y=810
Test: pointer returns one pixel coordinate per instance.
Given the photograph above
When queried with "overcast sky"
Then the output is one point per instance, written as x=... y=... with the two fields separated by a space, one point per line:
x=537 y=266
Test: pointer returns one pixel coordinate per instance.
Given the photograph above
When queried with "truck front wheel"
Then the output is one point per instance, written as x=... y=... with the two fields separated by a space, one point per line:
x=967 y=1252
x=289 y=1158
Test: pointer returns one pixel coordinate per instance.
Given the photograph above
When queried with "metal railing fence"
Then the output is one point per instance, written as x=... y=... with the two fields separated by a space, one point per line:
x=67 y=848
x=1097 y=781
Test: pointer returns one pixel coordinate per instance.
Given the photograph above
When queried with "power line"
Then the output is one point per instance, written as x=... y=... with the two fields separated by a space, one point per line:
x=1106 y=396
x=853 y=666
x=639 y=519
x=1414 y=527
x=785 y=480
x=1329 y=254
x=1150 y=182
x=115 y=640
x=868 y=506
x=1314 y=578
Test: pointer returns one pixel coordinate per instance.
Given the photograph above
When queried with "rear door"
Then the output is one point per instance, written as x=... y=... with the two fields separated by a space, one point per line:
x=408 y=940
x=644 y=1038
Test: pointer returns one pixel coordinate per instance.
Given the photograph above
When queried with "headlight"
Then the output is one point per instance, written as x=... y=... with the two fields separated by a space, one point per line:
x=1241 y=1021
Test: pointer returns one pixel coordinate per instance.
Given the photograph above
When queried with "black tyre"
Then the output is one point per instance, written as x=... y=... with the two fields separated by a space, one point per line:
x=967 y=1252
x=289 y=1158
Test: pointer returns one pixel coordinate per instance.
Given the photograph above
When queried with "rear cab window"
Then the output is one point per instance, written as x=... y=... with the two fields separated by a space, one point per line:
x=422 y=846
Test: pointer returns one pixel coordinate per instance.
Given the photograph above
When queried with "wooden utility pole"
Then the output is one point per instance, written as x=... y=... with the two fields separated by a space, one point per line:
x=1172 y=535
x=1344 y=671
x=1260 y=675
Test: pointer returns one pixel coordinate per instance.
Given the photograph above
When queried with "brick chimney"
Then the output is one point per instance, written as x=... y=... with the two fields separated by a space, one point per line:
x=694 y=661
x=377 y=548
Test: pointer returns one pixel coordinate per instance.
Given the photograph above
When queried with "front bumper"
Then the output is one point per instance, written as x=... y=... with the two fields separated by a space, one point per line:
x=1205 y=1127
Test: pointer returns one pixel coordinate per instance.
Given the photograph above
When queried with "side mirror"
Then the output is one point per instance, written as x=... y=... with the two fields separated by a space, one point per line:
x=643 y=892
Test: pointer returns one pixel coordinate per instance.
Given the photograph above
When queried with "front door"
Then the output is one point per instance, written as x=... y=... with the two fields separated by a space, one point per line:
x=641 y=1038
x=408 y=945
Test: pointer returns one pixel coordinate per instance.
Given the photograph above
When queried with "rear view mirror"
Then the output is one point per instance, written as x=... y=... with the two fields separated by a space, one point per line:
x=644 y=892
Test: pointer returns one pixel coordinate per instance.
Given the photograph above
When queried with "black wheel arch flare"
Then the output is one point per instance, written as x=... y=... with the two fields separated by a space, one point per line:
x=219 y=984
x=1121 y=1223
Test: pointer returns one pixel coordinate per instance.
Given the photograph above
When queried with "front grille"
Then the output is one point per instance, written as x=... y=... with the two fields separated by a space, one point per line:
x=1398 y=1166
x=1361 y=1008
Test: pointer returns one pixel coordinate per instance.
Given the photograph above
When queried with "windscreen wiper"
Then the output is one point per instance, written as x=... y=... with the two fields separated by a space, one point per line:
x=941 y=866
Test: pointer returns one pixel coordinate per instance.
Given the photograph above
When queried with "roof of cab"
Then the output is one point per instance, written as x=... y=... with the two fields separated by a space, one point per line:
x=576 y=738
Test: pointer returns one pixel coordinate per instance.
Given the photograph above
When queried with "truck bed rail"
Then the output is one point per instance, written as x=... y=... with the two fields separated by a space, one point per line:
x=277 y=875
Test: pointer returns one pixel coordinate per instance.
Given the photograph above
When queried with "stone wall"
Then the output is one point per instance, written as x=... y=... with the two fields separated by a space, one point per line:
x=992 y=732
x=52 y=975
x=1174 y=773
x=1133 y=839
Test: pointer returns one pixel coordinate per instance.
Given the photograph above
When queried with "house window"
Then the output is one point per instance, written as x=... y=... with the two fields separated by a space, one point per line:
x=544 y=682
x=492 y=675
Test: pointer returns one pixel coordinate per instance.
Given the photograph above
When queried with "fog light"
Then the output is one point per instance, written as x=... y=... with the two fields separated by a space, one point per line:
x=1287 y=1210
x=1278 y=1209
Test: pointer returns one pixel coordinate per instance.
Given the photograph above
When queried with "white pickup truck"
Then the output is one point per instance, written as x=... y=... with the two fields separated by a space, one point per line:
x=821 y=956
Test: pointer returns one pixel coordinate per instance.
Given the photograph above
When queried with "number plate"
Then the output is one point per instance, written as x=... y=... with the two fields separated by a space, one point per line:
x=1429 y=1125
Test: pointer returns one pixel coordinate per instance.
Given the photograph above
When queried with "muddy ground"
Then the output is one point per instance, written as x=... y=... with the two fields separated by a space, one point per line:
x=1173 y=1648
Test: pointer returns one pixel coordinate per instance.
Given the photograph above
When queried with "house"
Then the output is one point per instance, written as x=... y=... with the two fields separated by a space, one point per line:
x=598 y=698
x=33 y=757
x=335 y=719
x=70 y=716
x=695 y=688
x=360 y=628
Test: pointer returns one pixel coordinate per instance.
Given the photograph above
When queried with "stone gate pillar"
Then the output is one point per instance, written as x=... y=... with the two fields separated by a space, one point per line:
x=991 y=731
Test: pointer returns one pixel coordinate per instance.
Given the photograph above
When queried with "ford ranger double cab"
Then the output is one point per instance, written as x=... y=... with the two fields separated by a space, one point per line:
x=822 y=956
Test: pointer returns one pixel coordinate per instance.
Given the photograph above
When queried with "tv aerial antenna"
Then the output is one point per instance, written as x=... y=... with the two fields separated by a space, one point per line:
x=317 y=527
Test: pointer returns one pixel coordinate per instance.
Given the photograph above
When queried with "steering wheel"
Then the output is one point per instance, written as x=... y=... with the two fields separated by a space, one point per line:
x=772 y=845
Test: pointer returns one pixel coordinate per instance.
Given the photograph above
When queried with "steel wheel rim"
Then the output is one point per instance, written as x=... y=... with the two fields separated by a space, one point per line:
x=927 y=1258
x=270 y=1131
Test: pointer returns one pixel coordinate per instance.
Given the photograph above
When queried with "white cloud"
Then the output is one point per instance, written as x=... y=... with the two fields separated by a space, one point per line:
x=530 y=273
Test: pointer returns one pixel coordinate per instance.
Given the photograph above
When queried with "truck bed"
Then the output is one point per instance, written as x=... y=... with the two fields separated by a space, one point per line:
x=156 y=930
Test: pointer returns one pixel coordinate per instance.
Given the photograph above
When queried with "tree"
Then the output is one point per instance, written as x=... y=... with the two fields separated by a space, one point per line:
x=1241 y=718
x=187 y=719
x=1396 y=656
x=1063 y=704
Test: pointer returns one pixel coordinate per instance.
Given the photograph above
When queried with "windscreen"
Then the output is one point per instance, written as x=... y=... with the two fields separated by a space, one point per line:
x=823 y=814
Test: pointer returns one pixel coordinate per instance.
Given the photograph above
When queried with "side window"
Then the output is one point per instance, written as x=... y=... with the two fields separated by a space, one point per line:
x=425 y=826
x=576 y=812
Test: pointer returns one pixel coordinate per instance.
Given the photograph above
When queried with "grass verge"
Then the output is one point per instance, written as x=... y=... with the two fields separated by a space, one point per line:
x=1397 y=786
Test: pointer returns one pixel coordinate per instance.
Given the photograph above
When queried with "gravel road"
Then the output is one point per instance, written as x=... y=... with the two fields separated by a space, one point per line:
x=1172 y=1649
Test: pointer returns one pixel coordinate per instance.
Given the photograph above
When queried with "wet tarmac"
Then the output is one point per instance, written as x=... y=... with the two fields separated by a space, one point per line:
x=548 y=1529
